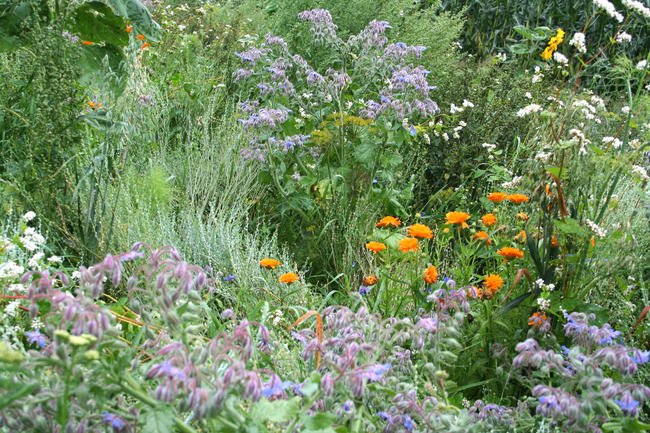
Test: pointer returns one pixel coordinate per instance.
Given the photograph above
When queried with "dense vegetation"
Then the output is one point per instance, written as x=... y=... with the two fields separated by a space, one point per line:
x=324 y=216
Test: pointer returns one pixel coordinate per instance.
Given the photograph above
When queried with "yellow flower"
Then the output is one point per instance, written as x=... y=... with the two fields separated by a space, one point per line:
x=420 y=231
x=431 y=275
x=408 y=244
x=270 y=263
x=288 y=278
x=375 y=247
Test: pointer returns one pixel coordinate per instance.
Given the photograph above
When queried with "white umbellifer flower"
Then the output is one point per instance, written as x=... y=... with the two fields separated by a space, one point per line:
x=623 y=37
x=532 y=108
x=641 y=172
x=29 y=216
x=55 y=259
x=445 y=136
x=578 y=41
x=36 y=323
x=33 y=262
x=625 y=109
x=609 y=8
x=600 y=232
x=467 y=103
x=489 y=147
x=642 y=65
x=34 y=236
x=11 y=308
x=543 y=303
x=427 y=138
x=456 y=135
x=454 y=109
x=501 y=57
x=638 y=7
x=513 y=183
x=560 y=58
x=536 y=78
x=616 y=143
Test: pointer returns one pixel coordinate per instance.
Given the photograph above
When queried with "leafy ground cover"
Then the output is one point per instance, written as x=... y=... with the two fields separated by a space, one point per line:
x=323 y=217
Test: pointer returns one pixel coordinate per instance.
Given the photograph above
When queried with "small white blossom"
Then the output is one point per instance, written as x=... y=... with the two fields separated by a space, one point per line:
x=642 y=65
x=467 y=104
x=543 y=303
x=513 y=183
x=11 y=308
x=528 y=95
x=33 y=262
x=532 y=108
x=55 y=259
x=75 y=275
x=641 y=172
x=615 y=142
x=625 y=109
x=11 y=270
x=638 y=7
x=489 y=147
x=18 y=288
x=578 y=41
x=623 y=37
x=598 y=231
x=609 y=8
x=454 y=109
x=560 y=58
x=29 y=216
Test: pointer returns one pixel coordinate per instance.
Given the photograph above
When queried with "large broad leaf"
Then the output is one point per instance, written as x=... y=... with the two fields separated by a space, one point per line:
x=93 y=70
x=138 y=14
x=158 y=420
x=13 y=15
x=275 y=411
x=95 y=21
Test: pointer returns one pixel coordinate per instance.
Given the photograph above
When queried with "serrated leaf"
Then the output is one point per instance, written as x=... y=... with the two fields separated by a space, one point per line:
x=158 y=420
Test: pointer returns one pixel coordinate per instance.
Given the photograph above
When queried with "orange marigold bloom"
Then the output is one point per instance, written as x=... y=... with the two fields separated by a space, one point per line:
x=446 y=230
x=288 y=278
x=408 y=244
x=492 y=283
x=592 y=242
x=537 y=319
x=270 y=263
x=517 y=198
x=141 y=37
x=420 y=231
x=521 y=236
x=388 y=221
x=370 y=280
x=375 y=247
x=474 y=292
x=431 y=275
x=489 y=219
x=510 y=253
x=94 y=104
x=521 y=216
x=145 y=45
x=554 y=241
x=128 y=29
x=483 y=236
x=87 y=43
x=458 y=218
x=497 y=196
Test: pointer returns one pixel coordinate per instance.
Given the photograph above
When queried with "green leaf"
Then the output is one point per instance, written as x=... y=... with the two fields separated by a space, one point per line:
x=158 y=420
x=570 y=226
x=319 y=421
x=139 y=15
x=365 y=153
x=95 y=21
x=93 y=70
x=275 y=411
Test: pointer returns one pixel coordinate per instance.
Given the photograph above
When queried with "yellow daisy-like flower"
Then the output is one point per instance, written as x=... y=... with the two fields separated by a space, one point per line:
x=375 y=247
x=458 y=218
x=408 y=244
x=420 y=231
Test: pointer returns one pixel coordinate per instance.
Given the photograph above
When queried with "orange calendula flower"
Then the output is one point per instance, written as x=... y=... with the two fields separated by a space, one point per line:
x=554 y=241
x=483 y=236
x=521 y=236
x=388 y=221
x=408 y=244
x=497 y=196
x=521 y=216
x=474 y=292
x=375 y=247
x=510 y=253
x=94 y=104
x=517 y=198
x=420 y=231
x=592 y=241
x=446 y=230
x=141 y=37
x=537 y=319
x=458 y=218
x=489 y=219
x=87 y=43
x=431 y=275
x=288 y=278
x=128 y=29
x=145 y=45
x=270 y=263
x=370 y=280
x=492 y=283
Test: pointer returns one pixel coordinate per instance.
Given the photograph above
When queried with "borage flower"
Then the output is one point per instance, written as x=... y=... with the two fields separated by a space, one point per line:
x=408 y=244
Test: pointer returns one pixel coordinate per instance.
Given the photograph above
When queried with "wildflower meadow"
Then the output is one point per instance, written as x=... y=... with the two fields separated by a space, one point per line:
x=324 y=216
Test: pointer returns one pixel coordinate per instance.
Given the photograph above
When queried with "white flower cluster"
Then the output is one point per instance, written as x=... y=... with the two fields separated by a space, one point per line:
x=637 y=6
x=11 y=270
x=31 y=238
x=456 y=109
x=600 y=232
x=538 y=75
x=641 y=172
x=588 y=110
x=29 y=216
x=543 y=303
x=623 y=37
x=489 y=147
x=560 y=58
x=578 y=41
x=578 y=136
x=543 y=156
x=34 y=261
x=625 y=109
x=615 y=142
x=642 y=65
x=501 y=57
x=513 y=183
x=529 y=109
x=609 y=8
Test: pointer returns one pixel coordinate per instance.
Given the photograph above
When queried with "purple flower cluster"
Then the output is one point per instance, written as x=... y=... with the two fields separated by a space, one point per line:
x=266 y=117
x=372 y=36
x=323 y=29
x=400 y=50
